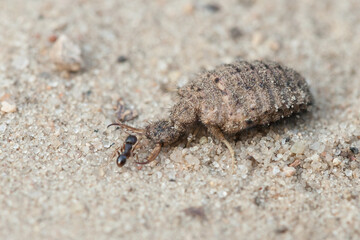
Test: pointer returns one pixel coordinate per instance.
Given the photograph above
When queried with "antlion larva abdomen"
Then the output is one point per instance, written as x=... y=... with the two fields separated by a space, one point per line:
x=243 y=94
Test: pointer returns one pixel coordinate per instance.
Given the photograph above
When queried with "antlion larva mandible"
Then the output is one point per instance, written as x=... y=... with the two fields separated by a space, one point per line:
x=229 y=99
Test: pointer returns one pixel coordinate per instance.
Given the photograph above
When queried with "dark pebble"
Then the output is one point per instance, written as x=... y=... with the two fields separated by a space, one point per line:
x=212 y=7
x=235 y=33
x=354 y=150
x=122 y=59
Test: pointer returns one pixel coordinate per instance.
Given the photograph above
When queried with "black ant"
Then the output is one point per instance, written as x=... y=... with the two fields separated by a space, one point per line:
x=161 y=132
x=127 y=150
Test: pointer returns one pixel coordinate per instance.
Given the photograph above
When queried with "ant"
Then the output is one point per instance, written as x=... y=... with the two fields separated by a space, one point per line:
x=161 y=132
x=127 y=150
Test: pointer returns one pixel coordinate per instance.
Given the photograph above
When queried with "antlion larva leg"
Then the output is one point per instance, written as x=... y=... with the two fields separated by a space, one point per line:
x=132 y=129
x=195 y=133
x=218 y=134
x=155 y=152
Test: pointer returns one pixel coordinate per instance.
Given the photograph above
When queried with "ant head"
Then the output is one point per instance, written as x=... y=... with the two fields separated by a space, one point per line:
x=121 y=160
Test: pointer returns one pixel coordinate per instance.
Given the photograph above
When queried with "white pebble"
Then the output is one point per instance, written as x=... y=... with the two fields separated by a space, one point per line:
x=222 y=194
x=126 y=175
x=176 y=155
x=66 y=55
x=106 y=144
x=172 y=176
x=158 y=174
x=243 y=170
x=192 y=160
x=8 y=107
x=289 y=171
x=318 y=147
x=336 y=161
x=276 y=170
x=2 y=128
x=348 y=172
x=20 y=62
x=298 y=147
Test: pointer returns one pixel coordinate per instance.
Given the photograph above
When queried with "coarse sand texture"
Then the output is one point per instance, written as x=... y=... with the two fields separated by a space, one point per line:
x=68 y=69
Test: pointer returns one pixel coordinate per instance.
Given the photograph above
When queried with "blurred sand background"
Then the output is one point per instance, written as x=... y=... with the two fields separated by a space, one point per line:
x=297 y=179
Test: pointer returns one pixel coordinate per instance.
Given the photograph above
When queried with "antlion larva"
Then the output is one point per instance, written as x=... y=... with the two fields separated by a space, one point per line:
x=229 y=99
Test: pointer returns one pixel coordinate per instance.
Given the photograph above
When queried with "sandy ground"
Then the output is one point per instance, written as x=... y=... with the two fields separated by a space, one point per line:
x=58 y=179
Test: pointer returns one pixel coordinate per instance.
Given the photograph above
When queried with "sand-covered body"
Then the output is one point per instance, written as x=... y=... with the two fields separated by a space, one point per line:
x=240 y=95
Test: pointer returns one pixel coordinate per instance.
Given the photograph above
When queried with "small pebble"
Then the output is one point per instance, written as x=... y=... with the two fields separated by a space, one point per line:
x=66 y=55
x=257 y=39
x=122 y=59
x=159 y=174
x=52 y=38
x=274 y=45
x=203 y=140
x=276 y=170
x=2 y=128
x=198 y=212
x=189 y=8
x=174 y=75
x=126 y=175
x=222 y=194
x=192 y=160
x=348 y=172
x=101 y=172
x=216 y=164
x=235 y=33
x=212 y=7
x=289 y=171
x=243 y=170
x=20 y=62
x=298 y=148
x=176 y=155
x=8 y=107
x=318 y=147
x=172 y=176
x=354 y=150
x=336 y=161
x=106 y=144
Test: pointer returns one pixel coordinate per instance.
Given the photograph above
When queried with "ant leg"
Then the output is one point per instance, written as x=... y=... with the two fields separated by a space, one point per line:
x=153 y=154
x=117 y=151
x=218 y=134
x=132 y=129
x=195 y=133
x=122 y=148
x=136 y=145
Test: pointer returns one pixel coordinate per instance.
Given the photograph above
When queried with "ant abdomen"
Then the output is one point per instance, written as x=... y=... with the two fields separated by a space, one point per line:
x=121 y=160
